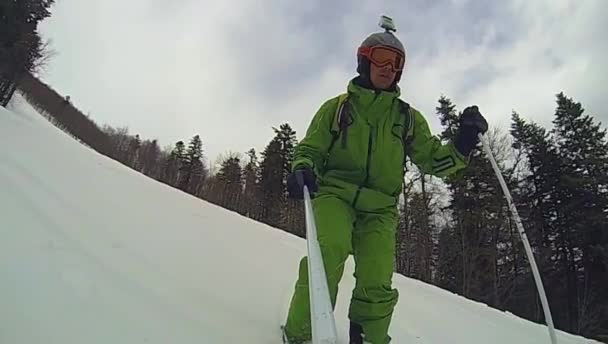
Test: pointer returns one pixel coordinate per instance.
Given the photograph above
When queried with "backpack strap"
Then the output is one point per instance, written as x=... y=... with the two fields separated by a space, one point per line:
x=342 y=120
x=408 y=128
x=408 y=123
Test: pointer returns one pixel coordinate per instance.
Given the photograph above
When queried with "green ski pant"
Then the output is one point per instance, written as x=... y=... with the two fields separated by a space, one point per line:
x=370 y=237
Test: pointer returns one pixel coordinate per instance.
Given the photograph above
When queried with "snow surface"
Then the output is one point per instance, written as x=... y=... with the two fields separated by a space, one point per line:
x=93 y=252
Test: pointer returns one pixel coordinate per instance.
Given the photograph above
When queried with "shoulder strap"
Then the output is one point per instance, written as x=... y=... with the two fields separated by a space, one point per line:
x=335 y=125
x=342 y=120
x=408 y=122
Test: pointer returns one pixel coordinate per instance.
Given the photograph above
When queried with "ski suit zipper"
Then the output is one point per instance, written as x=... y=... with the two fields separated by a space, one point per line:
x=367 y=166
x=369 y=157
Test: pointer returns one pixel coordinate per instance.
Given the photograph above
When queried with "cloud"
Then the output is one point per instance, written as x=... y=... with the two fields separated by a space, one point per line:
x=231 y=71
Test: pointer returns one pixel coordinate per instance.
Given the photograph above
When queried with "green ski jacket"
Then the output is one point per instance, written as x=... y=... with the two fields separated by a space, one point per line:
x=363 y=161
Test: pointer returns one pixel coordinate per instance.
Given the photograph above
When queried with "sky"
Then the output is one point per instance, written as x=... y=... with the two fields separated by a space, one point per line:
x=232 y=70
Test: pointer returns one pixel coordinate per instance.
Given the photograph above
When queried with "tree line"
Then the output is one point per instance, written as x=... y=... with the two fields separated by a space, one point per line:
x=251 y=185
x=63 y=113
x=456 y=233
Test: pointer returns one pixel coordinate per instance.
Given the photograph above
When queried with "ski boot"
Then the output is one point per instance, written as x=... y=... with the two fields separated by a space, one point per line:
x=356 y=334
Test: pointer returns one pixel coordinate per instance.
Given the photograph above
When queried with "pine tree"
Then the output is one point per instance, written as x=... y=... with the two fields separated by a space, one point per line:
x=271 y=183
x=192 y=171
x=287 y=136
x=230 y=179
x=173 y=164
x=292 y=213
x=251 y=200
x=22 y=50
x=564 y=204
x=582 y=221
x=274 y=169
x=448 y=118
x=535 y=196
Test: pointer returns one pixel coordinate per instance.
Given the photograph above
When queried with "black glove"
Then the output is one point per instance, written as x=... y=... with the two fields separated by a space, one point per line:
x=472 y=123
x=296 y=181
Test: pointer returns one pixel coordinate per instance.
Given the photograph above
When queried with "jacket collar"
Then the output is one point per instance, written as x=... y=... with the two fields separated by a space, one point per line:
x=371 y=104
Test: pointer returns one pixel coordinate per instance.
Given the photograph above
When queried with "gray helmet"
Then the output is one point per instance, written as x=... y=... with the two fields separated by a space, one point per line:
x=386 y=38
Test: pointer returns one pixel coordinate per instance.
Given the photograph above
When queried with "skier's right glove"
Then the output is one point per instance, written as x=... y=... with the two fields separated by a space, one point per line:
x=296 y=181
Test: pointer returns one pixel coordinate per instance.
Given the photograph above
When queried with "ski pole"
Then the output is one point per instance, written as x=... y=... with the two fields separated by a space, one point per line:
x=524 y=239
x=321 y=311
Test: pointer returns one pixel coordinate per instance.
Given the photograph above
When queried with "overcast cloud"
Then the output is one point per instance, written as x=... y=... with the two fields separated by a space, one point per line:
x=230 y=71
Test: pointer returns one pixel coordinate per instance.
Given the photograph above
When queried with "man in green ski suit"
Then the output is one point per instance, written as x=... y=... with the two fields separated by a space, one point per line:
x=352 y=160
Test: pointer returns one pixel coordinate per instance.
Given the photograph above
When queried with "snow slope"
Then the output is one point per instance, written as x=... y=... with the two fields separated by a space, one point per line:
x=93 y=252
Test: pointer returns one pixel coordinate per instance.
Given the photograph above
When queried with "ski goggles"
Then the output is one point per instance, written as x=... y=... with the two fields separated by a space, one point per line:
x=382 y=55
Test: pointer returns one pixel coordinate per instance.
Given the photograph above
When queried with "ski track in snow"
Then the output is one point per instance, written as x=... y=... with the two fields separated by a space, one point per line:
x=93 y=252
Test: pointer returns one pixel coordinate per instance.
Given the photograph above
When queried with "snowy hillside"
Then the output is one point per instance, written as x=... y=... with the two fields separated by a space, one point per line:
x=93 y=252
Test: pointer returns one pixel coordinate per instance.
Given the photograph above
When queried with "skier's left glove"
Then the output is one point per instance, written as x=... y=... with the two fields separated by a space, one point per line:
x=296 y=181
x=472 y=123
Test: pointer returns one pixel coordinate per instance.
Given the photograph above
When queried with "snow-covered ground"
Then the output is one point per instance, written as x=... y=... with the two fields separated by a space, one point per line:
x=93 y=252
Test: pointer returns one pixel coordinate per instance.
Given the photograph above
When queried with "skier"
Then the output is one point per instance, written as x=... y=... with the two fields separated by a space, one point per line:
x=352 y=160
